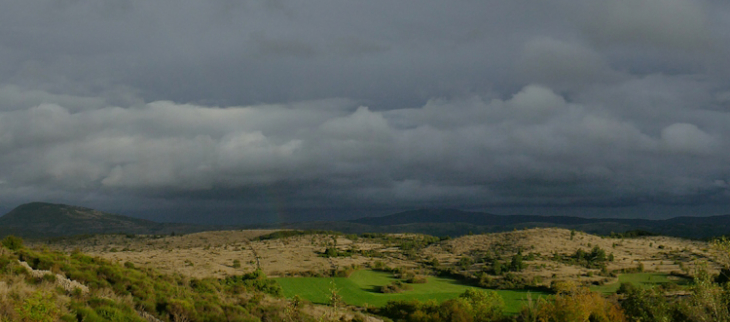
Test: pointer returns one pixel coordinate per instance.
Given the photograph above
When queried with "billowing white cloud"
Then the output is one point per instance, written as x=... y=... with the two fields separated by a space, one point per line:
x=361 y=125
x=535 y=102
x=686 y=138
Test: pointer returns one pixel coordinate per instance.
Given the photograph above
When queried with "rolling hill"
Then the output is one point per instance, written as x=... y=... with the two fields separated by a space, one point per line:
x=40 y=219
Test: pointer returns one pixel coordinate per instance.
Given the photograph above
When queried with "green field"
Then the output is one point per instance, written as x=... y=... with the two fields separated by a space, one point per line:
x=360 y=289
x=641 y=280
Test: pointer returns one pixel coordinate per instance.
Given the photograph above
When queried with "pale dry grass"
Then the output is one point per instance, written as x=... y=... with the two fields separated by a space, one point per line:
x=212 y=254
x=656 y=253
x=61 y=280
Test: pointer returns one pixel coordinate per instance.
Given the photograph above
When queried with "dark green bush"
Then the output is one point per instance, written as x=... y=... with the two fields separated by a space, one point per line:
x=12 y=242
x=473 y=305
x=595 y=259
x=394 y=287
x=254 y=281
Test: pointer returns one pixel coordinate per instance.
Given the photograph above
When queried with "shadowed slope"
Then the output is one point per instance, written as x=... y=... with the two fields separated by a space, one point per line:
x=40 y=219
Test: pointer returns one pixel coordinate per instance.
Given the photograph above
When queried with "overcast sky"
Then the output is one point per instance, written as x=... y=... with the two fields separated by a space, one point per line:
x=229 y=111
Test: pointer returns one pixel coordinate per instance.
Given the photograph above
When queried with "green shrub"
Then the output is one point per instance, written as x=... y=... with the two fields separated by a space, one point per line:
x=516 y=263
x=644 y=304
x=417 y=279
x=180 y=309
x=49 y=278
x=12 y=242
x=40 y=307
x=379 y=266
x=334 y=252
x=465 y=262
x=254 y=281
x=596 y=258
x=497 y=267
x=473 y=305
x=394 y=287
x=19 y=270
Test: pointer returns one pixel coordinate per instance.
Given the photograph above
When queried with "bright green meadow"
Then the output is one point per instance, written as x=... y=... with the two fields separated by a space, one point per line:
x=360 y=289
x=641 y=280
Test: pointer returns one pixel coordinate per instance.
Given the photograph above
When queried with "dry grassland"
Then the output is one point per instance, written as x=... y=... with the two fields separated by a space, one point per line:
x=212 y=254
x=655 y=253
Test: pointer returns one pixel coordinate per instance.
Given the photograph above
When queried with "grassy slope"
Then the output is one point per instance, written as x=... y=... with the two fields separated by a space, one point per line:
x=359 y=289
x=640 y=280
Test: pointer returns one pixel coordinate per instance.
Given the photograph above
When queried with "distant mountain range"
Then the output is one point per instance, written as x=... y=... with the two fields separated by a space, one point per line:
x=458 y=221
x=40 y=219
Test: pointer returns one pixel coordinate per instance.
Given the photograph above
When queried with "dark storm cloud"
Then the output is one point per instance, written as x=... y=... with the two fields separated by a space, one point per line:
x=312 y=109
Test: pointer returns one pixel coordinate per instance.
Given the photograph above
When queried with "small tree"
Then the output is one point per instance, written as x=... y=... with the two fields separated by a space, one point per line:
x=497 y=267
x=598 y=254
x=465 y=262
x=293 y=310
x=335 y=297
x=331 y=252
x=516 y=264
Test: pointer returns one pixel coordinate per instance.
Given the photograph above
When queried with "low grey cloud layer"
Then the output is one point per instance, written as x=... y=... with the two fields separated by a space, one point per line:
x=280 y=110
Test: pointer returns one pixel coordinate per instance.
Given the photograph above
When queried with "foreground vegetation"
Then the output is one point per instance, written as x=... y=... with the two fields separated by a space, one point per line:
x=704 y=301
x=98 y=290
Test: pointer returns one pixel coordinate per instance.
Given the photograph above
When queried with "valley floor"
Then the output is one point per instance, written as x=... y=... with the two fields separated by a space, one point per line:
x=212 y=254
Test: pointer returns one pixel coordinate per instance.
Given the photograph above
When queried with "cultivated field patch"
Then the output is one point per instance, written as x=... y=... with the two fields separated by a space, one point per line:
x=642 y=280
x=360 y=289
